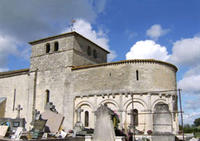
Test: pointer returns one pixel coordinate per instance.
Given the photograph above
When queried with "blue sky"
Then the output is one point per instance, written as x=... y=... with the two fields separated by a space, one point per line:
x=168 y=30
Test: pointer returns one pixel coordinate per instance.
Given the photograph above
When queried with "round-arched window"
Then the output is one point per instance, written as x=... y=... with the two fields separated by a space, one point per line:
x=86 y=118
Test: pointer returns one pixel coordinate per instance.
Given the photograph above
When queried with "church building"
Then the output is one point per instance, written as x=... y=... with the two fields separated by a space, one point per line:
x=72 y=72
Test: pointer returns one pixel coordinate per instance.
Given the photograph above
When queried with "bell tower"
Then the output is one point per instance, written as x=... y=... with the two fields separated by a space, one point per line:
x=65 y=50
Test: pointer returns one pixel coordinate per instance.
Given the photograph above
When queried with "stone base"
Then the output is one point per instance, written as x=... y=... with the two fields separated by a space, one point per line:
x=163 y=138
x=118 y=138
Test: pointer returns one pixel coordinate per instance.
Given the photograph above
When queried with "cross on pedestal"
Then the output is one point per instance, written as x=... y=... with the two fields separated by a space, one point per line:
x=19 y=108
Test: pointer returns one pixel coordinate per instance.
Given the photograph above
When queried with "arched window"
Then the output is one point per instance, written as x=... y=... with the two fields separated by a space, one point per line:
x=56 y=46
x=47 y=97
x=94 y=53
x=162 y=118
x=89 y=51
x=86 y=118
x=47 y=48
x=137 y=75
x=134 y=116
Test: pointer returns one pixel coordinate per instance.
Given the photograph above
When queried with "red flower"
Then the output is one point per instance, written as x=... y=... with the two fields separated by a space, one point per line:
x=149 y=132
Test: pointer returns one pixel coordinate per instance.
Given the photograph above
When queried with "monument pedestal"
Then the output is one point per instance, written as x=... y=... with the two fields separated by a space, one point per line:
x=163 y=137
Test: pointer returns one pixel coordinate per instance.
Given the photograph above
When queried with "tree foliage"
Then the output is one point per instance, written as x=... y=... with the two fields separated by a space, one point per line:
x=197 y=122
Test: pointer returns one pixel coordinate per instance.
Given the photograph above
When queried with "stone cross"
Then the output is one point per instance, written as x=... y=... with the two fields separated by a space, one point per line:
x=79 y=110
x=19 y=108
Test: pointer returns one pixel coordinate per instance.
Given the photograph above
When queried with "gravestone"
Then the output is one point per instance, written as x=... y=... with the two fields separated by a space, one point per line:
x=39 y=124
x=3 y=130
x=17 y=134
x=13 y=123
x=54 y=120
x=162 y=119
x=38 y=127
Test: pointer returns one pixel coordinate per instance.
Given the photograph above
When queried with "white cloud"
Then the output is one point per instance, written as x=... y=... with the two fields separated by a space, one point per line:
x=192 y=104
x=23 y=21
x=7 y=47
x=186 y=52
x=191 y=80
x=3 y=69
x=156 y=31
x=37 y=18
x=99 y=37
x=147 y=49
x=189 y=118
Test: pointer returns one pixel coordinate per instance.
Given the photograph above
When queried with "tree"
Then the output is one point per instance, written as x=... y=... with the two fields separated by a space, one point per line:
x=197 y=122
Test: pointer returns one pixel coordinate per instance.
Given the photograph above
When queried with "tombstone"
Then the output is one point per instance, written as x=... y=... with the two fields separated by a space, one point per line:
x=17 y=134
x=39 y=124
x=38 y=127
x=54 y=121
x=3 y=130
x=162 y=118
x=13 y=123
x=104 y=129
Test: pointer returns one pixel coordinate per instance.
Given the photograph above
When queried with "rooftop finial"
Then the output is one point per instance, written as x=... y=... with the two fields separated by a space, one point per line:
x=72 y=24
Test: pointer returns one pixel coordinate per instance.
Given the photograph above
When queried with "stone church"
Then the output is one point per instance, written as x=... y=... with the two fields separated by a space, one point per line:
x=72 y=72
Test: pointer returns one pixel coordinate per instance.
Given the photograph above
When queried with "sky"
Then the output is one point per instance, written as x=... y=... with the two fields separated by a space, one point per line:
x=167 y=30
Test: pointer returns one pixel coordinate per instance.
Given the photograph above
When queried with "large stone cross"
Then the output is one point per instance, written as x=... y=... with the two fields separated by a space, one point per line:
x=19 y=108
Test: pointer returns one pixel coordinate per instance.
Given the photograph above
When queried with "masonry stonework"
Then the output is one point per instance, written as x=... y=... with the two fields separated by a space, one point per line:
x=76 y=79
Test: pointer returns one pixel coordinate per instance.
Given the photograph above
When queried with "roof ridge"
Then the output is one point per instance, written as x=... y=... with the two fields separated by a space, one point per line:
x=125 y=61
x=14 y=72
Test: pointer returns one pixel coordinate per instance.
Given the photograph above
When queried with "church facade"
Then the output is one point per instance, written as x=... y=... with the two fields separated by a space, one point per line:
x=72 y=72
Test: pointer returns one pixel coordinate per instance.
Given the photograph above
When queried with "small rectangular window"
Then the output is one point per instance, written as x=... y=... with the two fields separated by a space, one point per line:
x=137 y=75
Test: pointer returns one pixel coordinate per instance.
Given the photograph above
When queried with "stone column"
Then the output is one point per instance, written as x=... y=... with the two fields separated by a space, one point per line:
x=149 y=115
x=121 y=111
x=95 y=108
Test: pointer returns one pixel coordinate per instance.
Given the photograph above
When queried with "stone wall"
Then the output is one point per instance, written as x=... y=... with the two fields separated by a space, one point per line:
x=152 y=77
x=55 y=59
x=7 y=87
x=114 y=84
x=72 y=52
x=82 y=45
